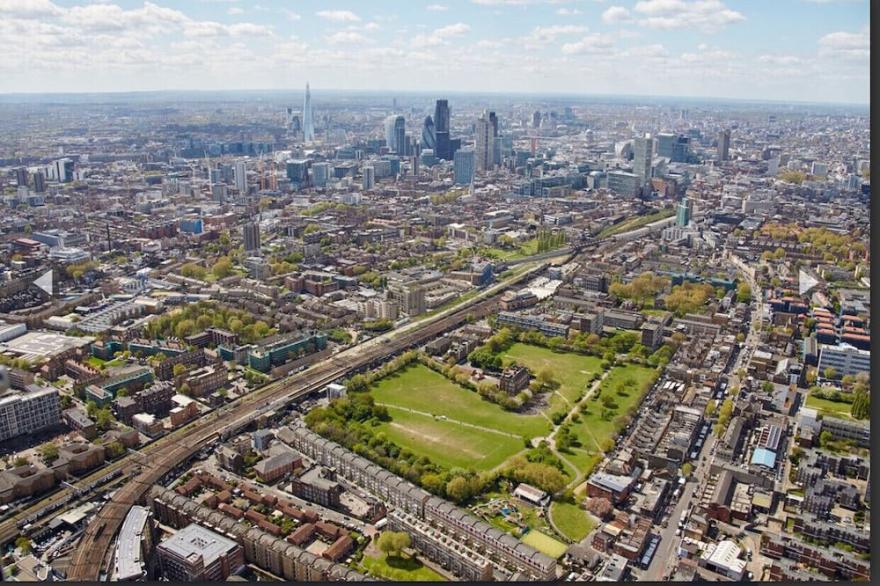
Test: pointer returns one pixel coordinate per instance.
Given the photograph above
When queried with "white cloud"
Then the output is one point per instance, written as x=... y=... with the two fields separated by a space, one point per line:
x=568 y=12
x=590 y=44
x=339 y=15
x=291 y=15
x=704 y=15
x=846 y=45
x=614 y=14
x=780 y=59
x=436 y=8
x=29 y=8
x=441 y=35
x=347 y=38
x=233 y=10
x=542 y=35
x=371 y=26
x=518 y=2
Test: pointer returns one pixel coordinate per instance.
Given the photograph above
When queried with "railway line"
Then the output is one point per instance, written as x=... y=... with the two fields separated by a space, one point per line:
x=88 y=559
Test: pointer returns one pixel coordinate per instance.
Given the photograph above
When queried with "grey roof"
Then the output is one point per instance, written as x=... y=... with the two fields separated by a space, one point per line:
x=129 y=565
x=197 y=540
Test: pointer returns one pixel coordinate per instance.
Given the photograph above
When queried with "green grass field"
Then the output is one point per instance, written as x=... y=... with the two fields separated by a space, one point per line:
x=448 y=442
x=574 y=522
x=571 y=370
x=400 y=569
x=583 y=460
x=545 y=544
x=592 y=429
x=833 y=408
x=420 y=388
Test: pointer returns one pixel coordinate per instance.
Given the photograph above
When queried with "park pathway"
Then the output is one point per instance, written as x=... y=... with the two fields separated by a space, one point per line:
x=445 y=418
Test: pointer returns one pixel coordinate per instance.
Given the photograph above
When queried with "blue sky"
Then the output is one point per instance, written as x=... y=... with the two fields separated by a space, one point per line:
x=805 y=50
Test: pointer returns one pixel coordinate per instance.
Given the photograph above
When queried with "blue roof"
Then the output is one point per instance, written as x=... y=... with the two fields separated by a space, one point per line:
x=764 y=457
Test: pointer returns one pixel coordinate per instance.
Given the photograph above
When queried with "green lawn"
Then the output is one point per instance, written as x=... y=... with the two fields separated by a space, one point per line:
x=592 y=429
x=403 y=569
x=828 y=407
x=571 y=370
x=449 y=444
x=574 y=522
x=420 y=388
x=545 y=544
x=583 y=460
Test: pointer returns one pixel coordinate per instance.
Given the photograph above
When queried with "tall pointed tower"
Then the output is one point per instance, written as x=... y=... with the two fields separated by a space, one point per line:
x=308 y=119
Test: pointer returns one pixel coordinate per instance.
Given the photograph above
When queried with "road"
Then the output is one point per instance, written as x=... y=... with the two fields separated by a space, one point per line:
x=665 y=557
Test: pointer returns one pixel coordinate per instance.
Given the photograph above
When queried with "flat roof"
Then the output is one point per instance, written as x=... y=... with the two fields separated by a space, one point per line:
x=129 y=564
x=764 y=457
x=195 y=540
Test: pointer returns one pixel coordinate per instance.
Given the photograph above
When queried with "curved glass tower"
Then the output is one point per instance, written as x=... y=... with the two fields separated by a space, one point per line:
x=429 y=139
x=308 y=120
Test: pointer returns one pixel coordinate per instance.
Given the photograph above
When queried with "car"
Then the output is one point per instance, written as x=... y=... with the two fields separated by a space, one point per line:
x=678 y=532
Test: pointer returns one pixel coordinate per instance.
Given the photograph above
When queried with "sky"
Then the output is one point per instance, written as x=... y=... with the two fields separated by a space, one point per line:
x=788 y=50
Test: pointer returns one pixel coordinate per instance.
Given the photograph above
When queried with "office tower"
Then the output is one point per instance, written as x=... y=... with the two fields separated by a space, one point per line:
x=308 y=117
x=485 y=142
x=298 y=172
x=429 y=139
x=819 y=169
x=643 y=148
x=665 y=142
x=724 y=145
x=395 y=134
x=218 y=192
x=320 y=174
x=251 y=232
x=241 y=177
x=464 y=165
x=21 y=176
x=496 y=151
x=369 y=177
x=64 y=170
x=441 y=130
x=536 y=119
x=39 y=182
x=681 y=149
x=684 y=212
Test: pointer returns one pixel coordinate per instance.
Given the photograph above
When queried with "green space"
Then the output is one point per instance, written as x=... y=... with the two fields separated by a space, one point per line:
x=571 y=370
x=420 y=388
x=574 y=522
x=545 y=544
x=400 y=569
x=449 y=444
x=584 y=460
x=839 y=409
x=601 y=415
x=96 y=362
x=636 y=222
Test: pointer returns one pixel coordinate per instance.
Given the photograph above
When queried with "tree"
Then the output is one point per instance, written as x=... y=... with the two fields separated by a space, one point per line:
x=825 y=439
x=49 y=452
x=222 y=268
x=24 y=544
x=686 y=469
x=861 y=405
x=392 y=543
x=458 y=489
x=830 y=372
x=178 y=369
x=743 y=292
x=20 y=461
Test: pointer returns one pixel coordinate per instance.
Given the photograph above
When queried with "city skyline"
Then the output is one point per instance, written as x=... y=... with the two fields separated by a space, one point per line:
x=708 y=49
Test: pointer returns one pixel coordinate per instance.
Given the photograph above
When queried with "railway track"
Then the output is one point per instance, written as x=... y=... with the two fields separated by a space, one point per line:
x=88 y=559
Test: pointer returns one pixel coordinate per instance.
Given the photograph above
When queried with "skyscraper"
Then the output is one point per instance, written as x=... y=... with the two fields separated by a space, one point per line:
x=536 y=119
x=464 y=166
x=724 y=145
x=395 y=134
x=308 y=118
x=643 y=148
x=241 y=177
x=684 y=212
x=485 y=141
x=429 y=139
x=21 y=176
x=251 y=232
x=441 y=130
x=369 y=177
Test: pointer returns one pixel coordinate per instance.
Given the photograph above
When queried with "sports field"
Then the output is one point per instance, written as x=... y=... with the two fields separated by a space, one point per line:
x=474 y=434
x=840 y=409
x=545 y=544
